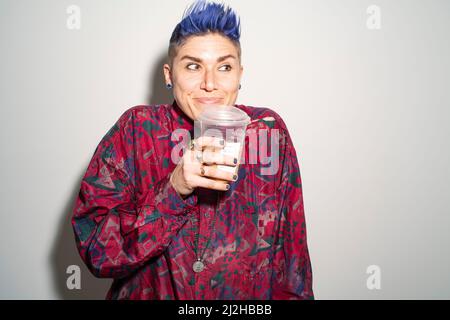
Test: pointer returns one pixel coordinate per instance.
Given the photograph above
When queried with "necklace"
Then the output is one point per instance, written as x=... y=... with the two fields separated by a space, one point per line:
x=199 y=265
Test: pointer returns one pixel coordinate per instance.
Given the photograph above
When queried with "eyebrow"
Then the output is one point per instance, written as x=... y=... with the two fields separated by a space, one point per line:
x=220 y=59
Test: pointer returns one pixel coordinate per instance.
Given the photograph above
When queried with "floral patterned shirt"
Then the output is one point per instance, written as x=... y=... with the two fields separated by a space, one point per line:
x=131 y=225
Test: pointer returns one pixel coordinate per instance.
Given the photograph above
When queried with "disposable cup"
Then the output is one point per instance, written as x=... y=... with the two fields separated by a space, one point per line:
x=224 y=122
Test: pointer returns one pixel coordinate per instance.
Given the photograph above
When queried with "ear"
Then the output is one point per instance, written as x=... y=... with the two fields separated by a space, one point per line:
x=167 y=73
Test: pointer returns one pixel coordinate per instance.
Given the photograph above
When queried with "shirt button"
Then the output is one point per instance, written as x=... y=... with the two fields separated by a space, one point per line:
x=207 y=215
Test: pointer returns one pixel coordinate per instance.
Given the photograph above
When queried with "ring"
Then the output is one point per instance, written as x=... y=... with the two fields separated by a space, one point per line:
x=199 y=157
x=202 y=171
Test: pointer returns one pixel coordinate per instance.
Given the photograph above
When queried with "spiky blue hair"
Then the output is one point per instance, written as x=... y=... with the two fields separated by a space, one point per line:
x=204 y=17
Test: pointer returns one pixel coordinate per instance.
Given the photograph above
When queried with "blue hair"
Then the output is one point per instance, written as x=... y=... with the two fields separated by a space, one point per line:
x=204 y=17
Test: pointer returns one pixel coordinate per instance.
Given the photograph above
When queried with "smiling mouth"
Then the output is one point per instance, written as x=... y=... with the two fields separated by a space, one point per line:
x=209 y=100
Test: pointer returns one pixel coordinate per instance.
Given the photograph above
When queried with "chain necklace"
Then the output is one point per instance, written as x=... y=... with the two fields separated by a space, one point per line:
x=199 y=265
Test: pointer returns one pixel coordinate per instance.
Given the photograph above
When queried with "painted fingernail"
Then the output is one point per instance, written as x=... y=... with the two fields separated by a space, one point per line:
x=227 y=186
x=235 y=177
x=235 y=161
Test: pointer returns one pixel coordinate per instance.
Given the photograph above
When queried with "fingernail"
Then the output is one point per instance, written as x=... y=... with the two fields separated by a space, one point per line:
x=227 y=186
x=235 y=177
x=235 y=161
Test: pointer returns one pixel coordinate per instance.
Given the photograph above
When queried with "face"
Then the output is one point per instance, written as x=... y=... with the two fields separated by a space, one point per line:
x=206 y=71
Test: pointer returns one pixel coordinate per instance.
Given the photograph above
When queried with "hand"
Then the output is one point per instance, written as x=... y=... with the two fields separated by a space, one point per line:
x=198 y=167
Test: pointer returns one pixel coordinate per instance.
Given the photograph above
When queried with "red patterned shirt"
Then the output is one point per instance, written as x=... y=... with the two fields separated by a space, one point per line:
x=131 y=225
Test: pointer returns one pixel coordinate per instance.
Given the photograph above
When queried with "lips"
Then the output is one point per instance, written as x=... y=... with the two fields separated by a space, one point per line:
x=209 y=100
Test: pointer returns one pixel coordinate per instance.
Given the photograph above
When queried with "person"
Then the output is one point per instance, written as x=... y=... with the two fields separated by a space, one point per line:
x=165 y=229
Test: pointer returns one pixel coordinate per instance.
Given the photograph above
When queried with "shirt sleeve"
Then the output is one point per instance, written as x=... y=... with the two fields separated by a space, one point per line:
x=292 y=266
x=117 y=231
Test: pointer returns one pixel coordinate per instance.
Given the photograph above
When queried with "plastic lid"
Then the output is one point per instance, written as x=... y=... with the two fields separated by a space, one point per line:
x=224 y=116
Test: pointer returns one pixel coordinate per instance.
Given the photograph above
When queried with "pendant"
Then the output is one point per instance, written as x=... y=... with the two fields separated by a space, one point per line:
x=198 y=266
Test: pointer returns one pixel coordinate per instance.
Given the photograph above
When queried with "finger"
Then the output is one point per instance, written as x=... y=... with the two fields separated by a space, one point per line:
x=215 y=173
x=189 y=157
x=211 y=183
x=193 y=156
x=205 y=141
x=198 y=155
x=210 y=156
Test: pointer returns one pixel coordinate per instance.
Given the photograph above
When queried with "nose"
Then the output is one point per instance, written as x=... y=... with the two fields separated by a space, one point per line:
x=208 y=83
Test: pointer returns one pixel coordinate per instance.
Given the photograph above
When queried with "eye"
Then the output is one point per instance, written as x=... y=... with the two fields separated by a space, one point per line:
x=228 y=66
x=192 y=64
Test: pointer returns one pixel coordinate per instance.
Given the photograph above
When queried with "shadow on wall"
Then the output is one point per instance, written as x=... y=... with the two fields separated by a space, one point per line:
x=64 y=252
x=158 y=93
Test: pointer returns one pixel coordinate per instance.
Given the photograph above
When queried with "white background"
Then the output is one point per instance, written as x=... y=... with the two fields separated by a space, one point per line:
x=368 y=111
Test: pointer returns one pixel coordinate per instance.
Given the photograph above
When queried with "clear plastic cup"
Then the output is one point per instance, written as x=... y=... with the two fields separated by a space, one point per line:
x=224 y=122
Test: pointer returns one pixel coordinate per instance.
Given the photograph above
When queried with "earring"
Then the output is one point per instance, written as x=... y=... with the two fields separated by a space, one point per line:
x=169 y=86
x=240 y=86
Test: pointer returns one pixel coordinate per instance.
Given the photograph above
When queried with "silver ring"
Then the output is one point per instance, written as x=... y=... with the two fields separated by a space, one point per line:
x=199 y=156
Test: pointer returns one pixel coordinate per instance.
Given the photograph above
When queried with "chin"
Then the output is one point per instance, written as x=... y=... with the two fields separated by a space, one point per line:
x=197 y=110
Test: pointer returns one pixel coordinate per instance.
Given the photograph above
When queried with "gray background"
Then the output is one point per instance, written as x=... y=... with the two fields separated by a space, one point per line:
x=368 y=111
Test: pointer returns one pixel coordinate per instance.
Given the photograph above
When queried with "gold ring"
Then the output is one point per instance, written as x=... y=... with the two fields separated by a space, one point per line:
x=202 y=171
x=191 y=145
